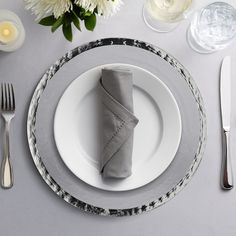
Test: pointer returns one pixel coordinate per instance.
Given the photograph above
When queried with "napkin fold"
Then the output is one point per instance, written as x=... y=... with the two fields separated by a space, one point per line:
x=118 y=123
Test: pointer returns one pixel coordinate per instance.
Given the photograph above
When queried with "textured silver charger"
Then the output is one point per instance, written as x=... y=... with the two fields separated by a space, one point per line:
x=41 y=115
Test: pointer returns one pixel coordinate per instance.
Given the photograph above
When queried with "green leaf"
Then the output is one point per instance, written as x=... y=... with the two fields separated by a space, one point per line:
x=67 y=31
x=57 y=24
x=88 y=13
x=67 y=19
x=48 y=20
x=77 y=10
x=75 y=20
x=81 y=12
x=90 y=22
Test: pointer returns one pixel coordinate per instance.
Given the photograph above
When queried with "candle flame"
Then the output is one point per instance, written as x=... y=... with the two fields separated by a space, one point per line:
x=6 y=32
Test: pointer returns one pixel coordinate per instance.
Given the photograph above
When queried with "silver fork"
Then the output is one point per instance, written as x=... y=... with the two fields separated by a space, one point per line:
x=8 y=112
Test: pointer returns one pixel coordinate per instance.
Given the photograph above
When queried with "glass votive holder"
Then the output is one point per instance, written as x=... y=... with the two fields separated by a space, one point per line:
x=212 y=28
x=12 y=32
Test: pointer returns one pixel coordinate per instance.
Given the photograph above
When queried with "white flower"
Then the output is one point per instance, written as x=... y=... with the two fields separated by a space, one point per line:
x=42 y=8
x=104 y=7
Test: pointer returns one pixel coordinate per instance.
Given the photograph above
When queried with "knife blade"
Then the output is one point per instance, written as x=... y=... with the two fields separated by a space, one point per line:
x=225 y=91
x=225 y=99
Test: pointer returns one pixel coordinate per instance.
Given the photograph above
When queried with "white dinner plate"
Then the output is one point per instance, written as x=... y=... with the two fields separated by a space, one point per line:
x=77 y=129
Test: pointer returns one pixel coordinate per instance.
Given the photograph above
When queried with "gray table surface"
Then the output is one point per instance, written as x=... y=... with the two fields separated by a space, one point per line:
x=31 y=208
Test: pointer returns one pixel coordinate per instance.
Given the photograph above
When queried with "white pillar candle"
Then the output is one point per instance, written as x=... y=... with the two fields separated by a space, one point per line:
x=12 y=33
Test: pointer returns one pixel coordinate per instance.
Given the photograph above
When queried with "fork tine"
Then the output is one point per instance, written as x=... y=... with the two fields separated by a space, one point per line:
x=13 y=97
x=10 y=98
x=6 y=98
x=2 y=97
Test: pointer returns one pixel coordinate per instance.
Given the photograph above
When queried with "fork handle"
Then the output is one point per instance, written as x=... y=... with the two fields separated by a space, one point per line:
x=6 y=171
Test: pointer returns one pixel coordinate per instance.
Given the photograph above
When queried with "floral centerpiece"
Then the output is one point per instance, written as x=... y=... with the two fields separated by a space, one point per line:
x=65 y=13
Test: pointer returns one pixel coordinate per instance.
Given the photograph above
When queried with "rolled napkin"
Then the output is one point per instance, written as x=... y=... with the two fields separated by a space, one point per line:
x=118 y=123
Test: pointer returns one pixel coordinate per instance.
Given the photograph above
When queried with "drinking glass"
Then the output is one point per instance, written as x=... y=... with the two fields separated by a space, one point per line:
x=165 y=15
x=212 y=28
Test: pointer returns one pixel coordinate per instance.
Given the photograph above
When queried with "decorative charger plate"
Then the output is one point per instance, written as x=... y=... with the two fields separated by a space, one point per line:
x=41 y=116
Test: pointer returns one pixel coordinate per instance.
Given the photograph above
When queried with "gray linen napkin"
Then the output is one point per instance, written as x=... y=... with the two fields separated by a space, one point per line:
x=118 y=123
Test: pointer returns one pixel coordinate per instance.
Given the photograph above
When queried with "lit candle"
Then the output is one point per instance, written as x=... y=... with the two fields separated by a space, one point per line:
x=8 y=32
x=12 y=33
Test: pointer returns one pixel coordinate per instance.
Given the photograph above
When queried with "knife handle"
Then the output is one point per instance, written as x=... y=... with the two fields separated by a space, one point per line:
x=227 y=174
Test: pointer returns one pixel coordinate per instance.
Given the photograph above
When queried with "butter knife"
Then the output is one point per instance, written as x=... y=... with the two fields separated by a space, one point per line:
x=225 y=99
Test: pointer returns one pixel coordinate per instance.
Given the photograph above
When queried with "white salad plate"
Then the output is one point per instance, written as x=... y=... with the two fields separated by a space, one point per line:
x=78 y=128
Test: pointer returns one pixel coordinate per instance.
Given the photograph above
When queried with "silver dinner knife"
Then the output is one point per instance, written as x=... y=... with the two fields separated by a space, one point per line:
x=225 y=98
